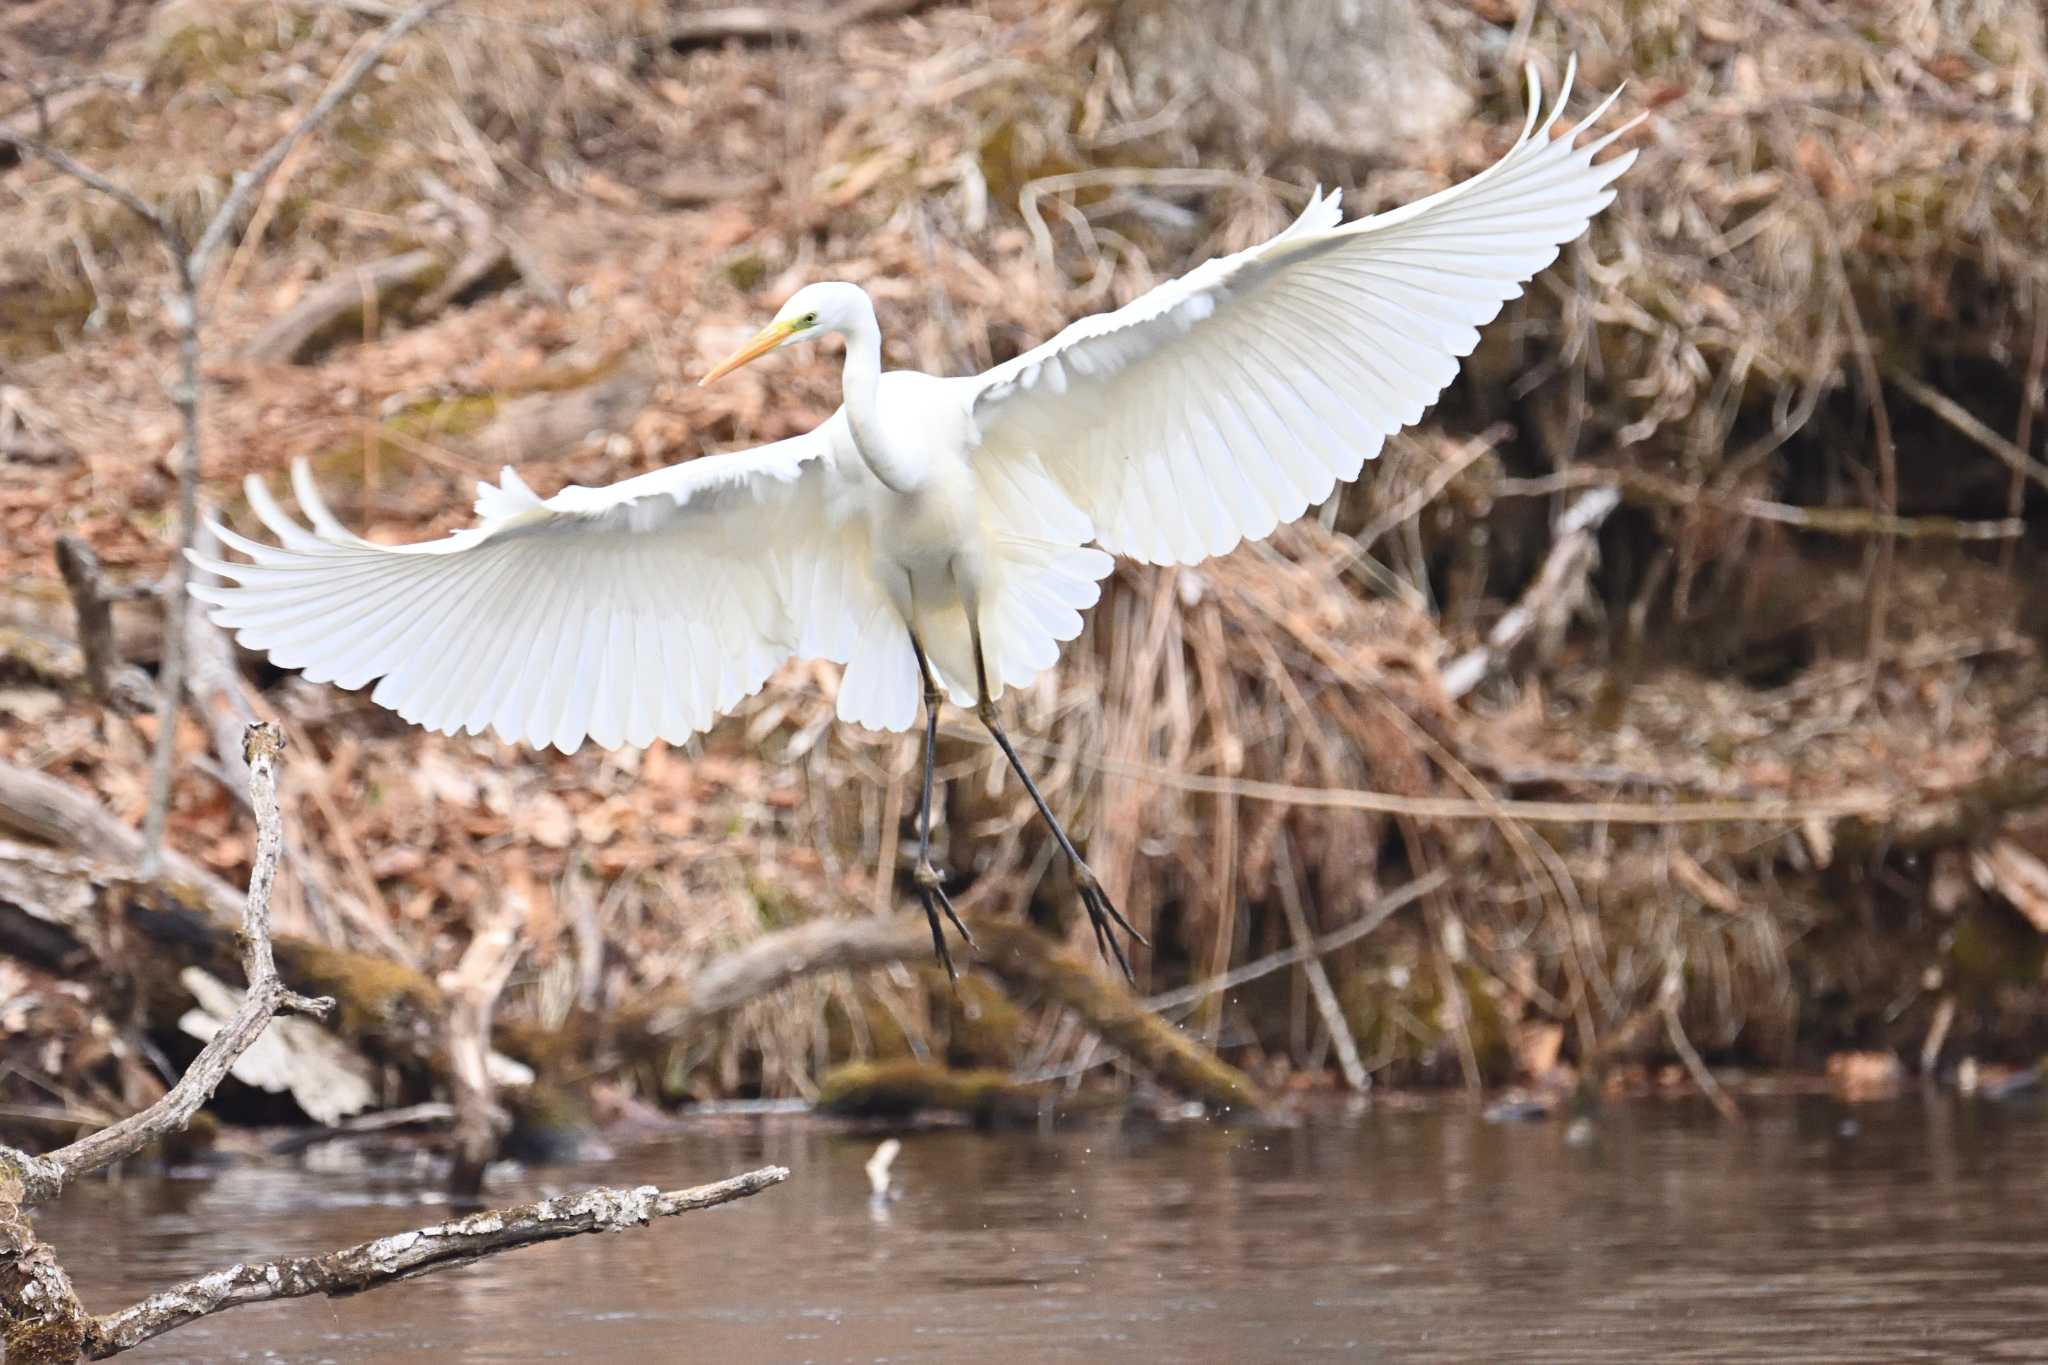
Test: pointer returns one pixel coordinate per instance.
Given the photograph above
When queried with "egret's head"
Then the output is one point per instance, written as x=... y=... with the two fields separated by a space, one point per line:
x=812 y=312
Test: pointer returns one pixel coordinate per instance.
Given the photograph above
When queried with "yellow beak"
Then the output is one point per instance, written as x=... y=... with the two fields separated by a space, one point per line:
x=766 y=340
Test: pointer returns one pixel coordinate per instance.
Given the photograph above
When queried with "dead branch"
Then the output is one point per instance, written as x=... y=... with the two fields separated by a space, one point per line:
x=182 y=304
x=1963 y=420
x=336 y=307
x=1670 y=993
x=247 y=183
x=759 y=24
x=1641 y=487
x=42 y=808
x=44 y=1177
x=93 y=602
x=1371 y=918
x=401 y=1256
x=473 y=989
x=1549 y=599
x=1021 y=956
x=686 y=188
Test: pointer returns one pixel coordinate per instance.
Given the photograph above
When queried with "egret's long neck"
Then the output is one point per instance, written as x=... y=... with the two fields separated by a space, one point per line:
x=861 y=385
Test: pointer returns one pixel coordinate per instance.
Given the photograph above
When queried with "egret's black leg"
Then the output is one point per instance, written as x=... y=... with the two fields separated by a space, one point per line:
x=930 y=885
x=1102 y=915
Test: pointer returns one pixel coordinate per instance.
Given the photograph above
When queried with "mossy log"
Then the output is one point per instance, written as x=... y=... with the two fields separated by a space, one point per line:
x=898 y=1089
x=1018 y=955
x=393 y=1013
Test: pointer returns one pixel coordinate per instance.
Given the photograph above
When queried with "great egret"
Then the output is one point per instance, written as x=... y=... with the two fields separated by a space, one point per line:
x=932 y=535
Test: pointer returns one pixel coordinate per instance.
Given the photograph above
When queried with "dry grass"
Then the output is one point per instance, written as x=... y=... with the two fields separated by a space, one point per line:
x=1819 y=202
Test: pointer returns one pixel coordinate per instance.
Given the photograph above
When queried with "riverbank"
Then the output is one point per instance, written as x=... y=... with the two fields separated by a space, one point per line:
x=1679 y=683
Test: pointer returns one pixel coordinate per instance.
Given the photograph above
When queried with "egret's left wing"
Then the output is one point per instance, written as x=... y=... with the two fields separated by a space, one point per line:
x=1232 y=399
x=640 y=610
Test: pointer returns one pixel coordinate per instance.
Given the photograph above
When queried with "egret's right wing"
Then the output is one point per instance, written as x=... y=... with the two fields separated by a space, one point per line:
x=1232 y=399
x=640 y=610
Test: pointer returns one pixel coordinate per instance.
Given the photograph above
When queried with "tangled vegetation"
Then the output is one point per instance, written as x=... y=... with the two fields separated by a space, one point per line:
x=1752 y=764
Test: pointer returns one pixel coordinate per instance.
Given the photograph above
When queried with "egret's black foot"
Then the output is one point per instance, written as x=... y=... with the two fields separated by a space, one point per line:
x=1104 y=919
x=931 y=890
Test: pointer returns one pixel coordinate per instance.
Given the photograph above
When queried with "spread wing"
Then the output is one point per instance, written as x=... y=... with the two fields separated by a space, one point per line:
x=1225 y=402
x=639 y=610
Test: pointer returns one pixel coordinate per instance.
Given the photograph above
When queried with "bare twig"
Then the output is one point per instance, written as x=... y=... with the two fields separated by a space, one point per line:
x=1440 y=478
x=403 y=1255
x=1639 y=486
x=247 y=183
x=184 y=310
x=2030 y=402
x=1374 y=915
x=92 y=600
x=1867 y=805
x=1963 y=420
x=184 y=306
x=1669 y=995
x=46 y=1176
x=1339 y=1029
x=92 y=179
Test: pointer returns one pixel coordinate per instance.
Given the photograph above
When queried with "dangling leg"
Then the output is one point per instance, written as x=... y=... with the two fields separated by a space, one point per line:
x=930 y=888
x=1102 y=916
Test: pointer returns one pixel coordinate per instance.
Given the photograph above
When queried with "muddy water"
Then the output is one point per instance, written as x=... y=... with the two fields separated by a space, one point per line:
x=1913 y=1230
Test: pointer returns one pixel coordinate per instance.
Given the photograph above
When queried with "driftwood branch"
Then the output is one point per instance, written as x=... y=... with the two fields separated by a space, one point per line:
x=1548 y=600
x=44 y=1177
x=401 y=1256
x=40 y=1313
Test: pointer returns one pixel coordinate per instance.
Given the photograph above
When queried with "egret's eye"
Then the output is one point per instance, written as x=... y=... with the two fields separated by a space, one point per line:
x=810 y=319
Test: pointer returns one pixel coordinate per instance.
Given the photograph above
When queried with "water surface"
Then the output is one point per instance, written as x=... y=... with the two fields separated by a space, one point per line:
x=1912 y=1230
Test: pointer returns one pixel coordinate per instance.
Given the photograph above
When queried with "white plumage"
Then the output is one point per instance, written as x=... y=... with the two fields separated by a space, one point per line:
x=1211 y=409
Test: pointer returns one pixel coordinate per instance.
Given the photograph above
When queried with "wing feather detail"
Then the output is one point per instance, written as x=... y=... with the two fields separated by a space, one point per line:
x=622 y=614
x=1223 y=403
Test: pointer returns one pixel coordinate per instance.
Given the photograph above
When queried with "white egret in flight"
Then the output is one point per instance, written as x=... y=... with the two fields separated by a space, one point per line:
x=938 y=537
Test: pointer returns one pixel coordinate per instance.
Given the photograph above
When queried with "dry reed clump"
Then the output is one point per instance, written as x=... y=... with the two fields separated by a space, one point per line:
x=1818 y=207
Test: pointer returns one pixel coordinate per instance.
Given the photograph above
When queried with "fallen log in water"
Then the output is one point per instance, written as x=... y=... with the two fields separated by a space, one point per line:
x=1020 y=956
x=898 y=1089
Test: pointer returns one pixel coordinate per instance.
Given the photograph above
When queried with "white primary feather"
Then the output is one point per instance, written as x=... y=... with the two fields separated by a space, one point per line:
x=640 y=610
x=1230 y=400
